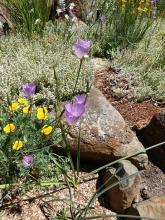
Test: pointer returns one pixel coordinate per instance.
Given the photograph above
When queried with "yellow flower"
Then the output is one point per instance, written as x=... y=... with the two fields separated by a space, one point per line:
x=141 y=10
x=22 y=101
x=42 y=113
x=9 y=128
x=26 y=109
x=145 y=9
x=46 y=129
x=14 y=106
x=17 y=145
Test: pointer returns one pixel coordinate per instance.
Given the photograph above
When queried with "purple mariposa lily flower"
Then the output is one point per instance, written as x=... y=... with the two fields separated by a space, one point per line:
x=28 y=89
x=73 y=111
x=81 y=48
x=153 y=2
x=28 y=160
x=80 y=99
x=101 y=18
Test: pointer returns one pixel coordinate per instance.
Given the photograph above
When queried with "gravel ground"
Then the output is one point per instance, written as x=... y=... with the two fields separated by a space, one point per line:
x=40 y=204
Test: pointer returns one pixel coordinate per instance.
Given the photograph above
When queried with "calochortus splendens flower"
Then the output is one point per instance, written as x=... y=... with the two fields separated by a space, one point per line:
x=81 y=48
x=153 y=2
x=74 y=110
x=80 y=99
x=28 y=89
x=9 y=128
x=46 y=130
x=17 y=145
x=28 y=160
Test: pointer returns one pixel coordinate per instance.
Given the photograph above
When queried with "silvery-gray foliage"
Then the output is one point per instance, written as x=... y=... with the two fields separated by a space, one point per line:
x=24 y=61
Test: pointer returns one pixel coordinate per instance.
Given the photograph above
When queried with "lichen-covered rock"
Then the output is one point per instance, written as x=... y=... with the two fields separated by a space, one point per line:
x=152 y=208
x=104 y=134
x=121 y=196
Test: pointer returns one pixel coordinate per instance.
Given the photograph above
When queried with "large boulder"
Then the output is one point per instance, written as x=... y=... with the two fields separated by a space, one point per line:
x=151 y=208
x=121 y=196
x=105 y=136
x=152 y=134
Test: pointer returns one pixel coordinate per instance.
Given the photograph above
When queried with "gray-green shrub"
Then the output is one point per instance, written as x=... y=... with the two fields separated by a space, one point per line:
x=23 y=60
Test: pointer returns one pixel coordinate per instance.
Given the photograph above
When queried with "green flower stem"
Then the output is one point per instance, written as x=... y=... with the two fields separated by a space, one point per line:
x=63 y=170
x=78 y=152
x=67 y=150
x=78 y=75
x=71 y=199
x=67 y=146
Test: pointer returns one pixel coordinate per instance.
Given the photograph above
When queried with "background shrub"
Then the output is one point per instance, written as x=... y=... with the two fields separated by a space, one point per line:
x=146 y=64
x=125 y=25
x=29 y=16
x=24 y=61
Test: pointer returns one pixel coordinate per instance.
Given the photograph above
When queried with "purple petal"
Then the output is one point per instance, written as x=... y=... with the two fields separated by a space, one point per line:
x=77 y=109
x=102 y=18
x=71 y=14
x=76 y=112
x=70 y=118
x=29 y=89
x=81 y=48
x=68 y=107
x=153 y=2
x=79 y=52
x=28 y=160
x=80 y=99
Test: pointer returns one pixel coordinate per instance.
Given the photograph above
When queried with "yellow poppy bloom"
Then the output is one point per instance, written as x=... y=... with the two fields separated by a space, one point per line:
x=46 y=130
x=17 y=145
x=42 y=113
x=22 y=101
x=14 y=106
x=9 y=128
x=26 y=109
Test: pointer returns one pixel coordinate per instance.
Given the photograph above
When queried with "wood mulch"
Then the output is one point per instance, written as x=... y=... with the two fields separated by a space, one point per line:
x=136 y=114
